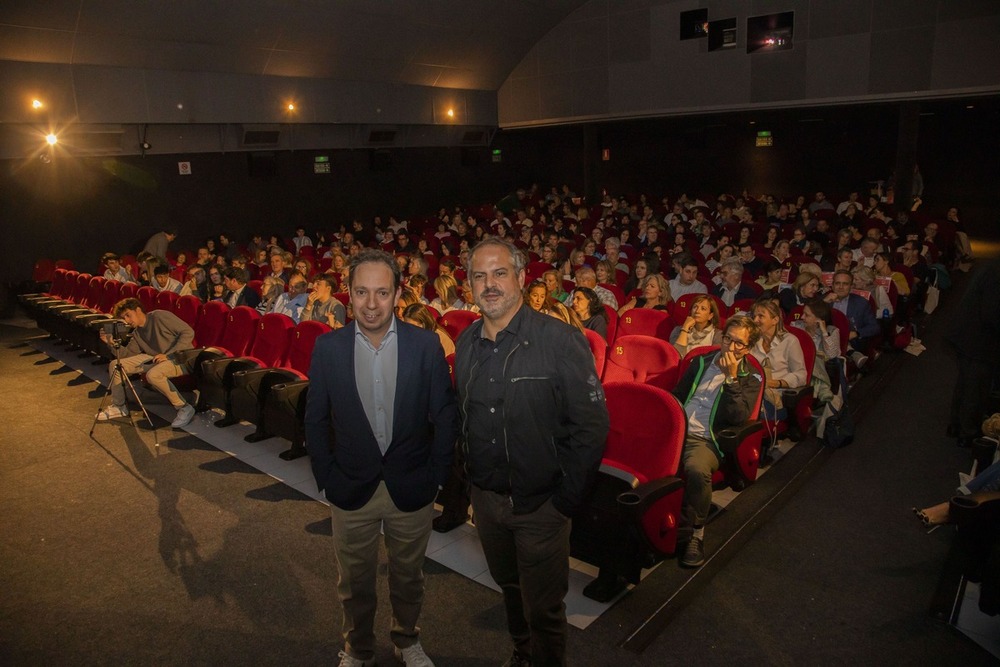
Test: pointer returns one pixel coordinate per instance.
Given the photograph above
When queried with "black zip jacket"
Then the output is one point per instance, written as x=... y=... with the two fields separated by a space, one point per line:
x=553 y=417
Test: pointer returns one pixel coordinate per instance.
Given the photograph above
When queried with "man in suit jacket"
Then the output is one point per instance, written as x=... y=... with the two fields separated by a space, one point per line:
x=732 y=288
x=381 y=423
x=859 y=314
x=238 y=293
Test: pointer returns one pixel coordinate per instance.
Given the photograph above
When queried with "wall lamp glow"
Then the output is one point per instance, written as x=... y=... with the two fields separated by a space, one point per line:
x=36 y=104
x=51 y=139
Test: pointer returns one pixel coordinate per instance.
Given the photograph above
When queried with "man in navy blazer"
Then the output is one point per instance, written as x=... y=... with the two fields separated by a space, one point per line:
x=381 y=423
x=859 y=313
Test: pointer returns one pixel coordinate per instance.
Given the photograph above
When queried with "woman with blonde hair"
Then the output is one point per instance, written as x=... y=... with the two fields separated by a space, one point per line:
x=447 y=295
x=655 y=294
x=567 y=315
x=780 y=353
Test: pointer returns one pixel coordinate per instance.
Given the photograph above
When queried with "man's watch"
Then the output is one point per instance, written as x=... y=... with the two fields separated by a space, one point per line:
x=731 y=380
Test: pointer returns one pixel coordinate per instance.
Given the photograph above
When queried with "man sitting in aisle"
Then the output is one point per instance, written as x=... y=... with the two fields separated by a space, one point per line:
x=322 y=306
x=718 y=391
x=859 y=314
x=293 y=301
x=732 y=289
x=687 y=281
x=158 y=340
x=162 y=282
x=115 y=270
x=237 y=292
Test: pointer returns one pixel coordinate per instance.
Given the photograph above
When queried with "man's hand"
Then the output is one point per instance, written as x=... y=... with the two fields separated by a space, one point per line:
x=160 y=358
x=311 y=299
x=852 y=335
x=729 y=364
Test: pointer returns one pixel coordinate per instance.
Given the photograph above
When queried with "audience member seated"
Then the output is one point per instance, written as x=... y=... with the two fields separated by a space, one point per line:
x=115 y=269
x=780 y=354
x=864 y=281
x=588 y=307
x=237 y=292
x=865 y=254
x=883 y=269
x=725 y=252
x=644 y=266
x=860 y=317
x=586 y=277
x=731 y=288
x=752 y=264
x=293 y=301
x=536 y=296
x=447 y=295
x=700 y=328
x=278 y=267
x=770 y=278
x=553 y=284
x=718 y=391
x=322 y=306
x=687 y=281
x=805 y=287
x=655 y=294
x=567 y=315
x=197 y=283
x=271 y=289
x=817 y=321
x=417 y=315
x=162 y=282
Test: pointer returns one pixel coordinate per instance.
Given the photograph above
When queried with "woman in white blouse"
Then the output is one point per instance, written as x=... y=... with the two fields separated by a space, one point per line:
x=780 y=354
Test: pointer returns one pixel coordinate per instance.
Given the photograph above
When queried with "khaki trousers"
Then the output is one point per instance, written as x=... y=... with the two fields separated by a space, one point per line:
x=157 y=375
x=355 y=541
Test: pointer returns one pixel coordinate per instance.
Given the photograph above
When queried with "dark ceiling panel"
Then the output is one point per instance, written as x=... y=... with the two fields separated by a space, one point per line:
x=468 y=43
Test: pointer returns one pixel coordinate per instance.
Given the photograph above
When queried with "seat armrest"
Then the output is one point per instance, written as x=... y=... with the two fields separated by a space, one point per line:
x=729 y=439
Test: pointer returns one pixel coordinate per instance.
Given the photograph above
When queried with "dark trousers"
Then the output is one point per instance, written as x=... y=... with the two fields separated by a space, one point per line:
x=528 y=556
x=971 y=395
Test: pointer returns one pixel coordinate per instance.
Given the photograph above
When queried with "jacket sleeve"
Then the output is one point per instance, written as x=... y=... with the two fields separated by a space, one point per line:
x=317 y=418
x=584 y=417
x=867 y=326
x=443 y=414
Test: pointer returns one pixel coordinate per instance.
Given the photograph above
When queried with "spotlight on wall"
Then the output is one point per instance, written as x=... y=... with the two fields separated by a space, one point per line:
x=36 y=104
x=451 y=113
x=291 y=106
x=51 y=139
x=145 y=145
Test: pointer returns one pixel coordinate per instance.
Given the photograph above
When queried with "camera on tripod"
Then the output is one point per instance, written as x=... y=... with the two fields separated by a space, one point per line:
x=118 y=333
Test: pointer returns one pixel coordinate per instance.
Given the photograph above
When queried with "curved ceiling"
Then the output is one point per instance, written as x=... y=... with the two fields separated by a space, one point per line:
x=464 y=44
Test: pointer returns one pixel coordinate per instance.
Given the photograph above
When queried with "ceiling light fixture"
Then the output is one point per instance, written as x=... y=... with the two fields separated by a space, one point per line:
x=36 y=104
x=451 y=113
x=51 y=139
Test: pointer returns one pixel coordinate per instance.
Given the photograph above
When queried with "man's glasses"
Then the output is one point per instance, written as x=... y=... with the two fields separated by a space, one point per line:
x=737 y=344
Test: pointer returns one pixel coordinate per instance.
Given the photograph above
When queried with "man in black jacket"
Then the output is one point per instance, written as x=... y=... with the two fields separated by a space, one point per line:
x=534 y=425
x=718 y=391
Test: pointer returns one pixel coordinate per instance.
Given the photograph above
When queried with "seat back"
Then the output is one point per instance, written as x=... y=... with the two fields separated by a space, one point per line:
x=60 y=283
x=128 y=291
x=457 y=321
x=303 y=340
x=147 y=297
x=110 y=296
x=43 y=271
x=80 y=288
x=241 y=329
x=599 y=348
x=647 y=429
x=270 y=344
x=95 y=292
x=165 y=300
x=642 y=359
x=843 y=326
x=211 y=326
x=188 y=308
x=645 y=322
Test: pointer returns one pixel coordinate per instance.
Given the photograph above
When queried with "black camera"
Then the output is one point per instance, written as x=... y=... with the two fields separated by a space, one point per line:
x=118 y=333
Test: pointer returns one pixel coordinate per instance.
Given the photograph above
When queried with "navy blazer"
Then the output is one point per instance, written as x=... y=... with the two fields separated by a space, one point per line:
x=346 y=460
x=860 y=315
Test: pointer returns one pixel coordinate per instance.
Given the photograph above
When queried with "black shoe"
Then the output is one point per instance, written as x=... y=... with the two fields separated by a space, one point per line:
x=445 y=523
x=517 y=660
x=605 y=588
x=694 y=554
